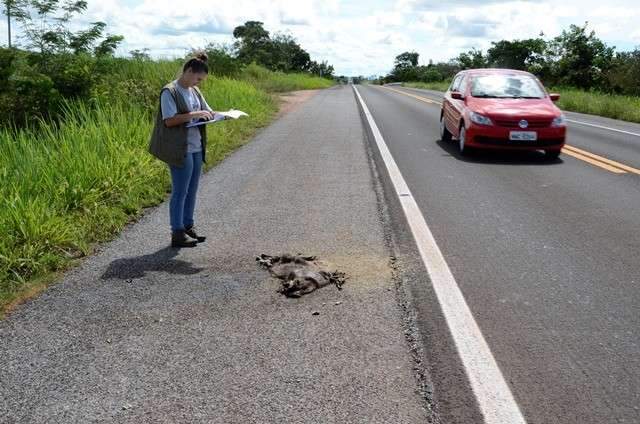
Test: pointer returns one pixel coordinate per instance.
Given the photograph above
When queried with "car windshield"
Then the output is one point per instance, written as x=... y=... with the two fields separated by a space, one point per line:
x=506 y=86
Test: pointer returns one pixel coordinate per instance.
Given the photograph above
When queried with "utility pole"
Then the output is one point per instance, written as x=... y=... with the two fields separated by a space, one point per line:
x=9 y=21
x=13 y=9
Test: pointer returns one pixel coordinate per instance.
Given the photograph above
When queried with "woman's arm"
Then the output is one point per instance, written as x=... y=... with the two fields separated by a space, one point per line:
x=170 y=114
x=183 y=118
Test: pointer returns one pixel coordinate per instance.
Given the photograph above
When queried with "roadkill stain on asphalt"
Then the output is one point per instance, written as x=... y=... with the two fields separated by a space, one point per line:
x=299 y=274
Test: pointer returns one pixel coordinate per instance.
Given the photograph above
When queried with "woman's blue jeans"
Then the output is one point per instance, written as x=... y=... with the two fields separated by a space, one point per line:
x=184 y=183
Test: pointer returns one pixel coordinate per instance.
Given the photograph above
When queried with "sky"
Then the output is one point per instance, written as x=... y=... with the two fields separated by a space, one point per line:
x=360 y=37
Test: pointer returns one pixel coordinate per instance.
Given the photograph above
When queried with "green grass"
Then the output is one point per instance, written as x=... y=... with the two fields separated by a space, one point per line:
x=438 y=86
x=625 y=108
x=69 y=185
x=279 y=82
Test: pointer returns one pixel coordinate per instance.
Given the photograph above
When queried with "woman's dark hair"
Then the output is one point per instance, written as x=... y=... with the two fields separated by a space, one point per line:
x=197 y=64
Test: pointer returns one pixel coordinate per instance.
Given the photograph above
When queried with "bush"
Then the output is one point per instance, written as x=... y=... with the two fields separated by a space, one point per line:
x=7 y=59
x=72 y=75
x=624 y=77
x=34 y=84
x=28 y=95
x=429 y=74
x=221 y=63
x=280 y=82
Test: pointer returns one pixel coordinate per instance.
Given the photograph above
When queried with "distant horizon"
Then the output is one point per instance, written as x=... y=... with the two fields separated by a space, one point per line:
x=358 y=38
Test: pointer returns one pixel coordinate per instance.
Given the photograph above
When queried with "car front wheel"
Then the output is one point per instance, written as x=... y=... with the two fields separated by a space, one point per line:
x=551 y=154
x=461 y=139
x=445 y=135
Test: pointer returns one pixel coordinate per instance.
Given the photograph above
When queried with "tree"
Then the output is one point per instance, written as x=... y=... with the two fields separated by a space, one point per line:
x=252 y=43
x=580 y=58
x=517 y=54
x=108 y=46
x=472 y=59
x=406 y=60
x=138 y=54
x=81 y=41
x=15 y=9
x=287 y=55
x=404 y=68
x=624 y=76
x=46 y=26
x=222 y=59
x=322 y=69
x=429 y=74
x=280 y=53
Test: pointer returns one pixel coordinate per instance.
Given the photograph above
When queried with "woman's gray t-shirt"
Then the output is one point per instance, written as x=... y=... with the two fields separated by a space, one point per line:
x=170 y=109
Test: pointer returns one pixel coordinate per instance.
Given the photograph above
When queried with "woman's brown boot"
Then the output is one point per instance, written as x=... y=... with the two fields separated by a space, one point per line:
x=179 y=239
x=191 y=232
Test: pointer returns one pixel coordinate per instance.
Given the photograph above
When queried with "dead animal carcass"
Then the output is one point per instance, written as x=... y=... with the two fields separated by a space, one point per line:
x=299 y=274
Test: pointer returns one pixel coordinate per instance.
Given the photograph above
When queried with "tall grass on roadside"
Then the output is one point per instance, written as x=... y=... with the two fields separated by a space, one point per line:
x=437 y=86
x=68 y=185
x=626 y=108
x=279 y=82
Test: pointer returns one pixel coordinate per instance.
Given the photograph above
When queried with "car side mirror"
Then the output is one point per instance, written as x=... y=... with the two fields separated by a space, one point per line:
x=457 y=95
x=554 y=97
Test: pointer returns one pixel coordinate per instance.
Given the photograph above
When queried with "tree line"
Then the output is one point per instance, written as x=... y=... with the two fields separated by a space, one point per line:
x=576 y=58
x=55 y=64
x=278 y=53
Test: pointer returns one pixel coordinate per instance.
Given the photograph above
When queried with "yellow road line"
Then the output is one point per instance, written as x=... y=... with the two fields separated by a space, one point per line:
x=593 y=159
x=593 y=162
x=602 y=159
x=422 y=99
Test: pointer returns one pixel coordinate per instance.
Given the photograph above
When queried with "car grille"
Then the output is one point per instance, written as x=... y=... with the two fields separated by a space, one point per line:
x=514 y=123
x=545 y=142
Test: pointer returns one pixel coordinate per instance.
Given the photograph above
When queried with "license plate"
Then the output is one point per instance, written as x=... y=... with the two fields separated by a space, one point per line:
x=523 y=135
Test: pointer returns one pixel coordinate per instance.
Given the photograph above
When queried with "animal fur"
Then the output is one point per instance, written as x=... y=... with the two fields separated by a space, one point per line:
x=299 y=274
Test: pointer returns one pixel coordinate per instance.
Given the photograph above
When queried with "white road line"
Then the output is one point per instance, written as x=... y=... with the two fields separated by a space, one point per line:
x=495 y=399
x=602 y=127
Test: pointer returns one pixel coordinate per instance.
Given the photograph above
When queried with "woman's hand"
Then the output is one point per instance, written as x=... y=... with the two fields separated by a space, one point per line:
x=201 y=114
x=187 y=117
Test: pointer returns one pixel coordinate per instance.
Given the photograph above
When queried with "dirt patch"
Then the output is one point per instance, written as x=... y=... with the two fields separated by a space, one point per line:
x=300 y=274
x=292 y=100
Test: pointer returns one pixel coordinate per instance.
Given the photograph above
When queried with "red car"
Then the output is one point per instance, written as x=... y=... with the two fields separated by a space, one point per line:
x=502 y=109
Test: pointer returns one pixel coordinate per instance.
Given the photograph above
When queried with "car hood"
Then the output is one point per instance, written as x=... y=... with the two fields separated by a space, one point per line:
x=513 y=108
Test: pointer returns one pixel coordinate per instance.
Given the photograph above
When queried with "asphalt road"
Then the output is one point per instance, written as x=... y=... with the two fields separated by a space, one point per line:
x=547 y=256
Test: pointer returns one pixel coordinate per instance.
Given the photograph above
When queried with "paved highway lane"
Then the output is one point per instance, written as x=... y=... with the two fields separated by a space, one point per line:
x=545 y=254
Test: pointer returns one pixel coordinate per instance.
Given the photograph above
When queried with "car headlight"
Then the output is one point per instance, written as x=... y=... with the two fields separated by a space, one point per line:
x=558 y=122
x=480 y=119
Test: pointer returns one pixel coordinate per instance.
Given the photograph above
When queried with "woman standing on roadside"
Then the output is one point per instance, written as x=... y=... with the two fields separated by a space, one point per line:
x=182 y=148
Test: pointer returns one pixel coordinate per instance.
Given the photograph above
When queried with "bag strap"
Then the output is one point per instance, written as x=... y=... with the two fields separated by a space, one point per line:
x=200 y=96
x=174 y=94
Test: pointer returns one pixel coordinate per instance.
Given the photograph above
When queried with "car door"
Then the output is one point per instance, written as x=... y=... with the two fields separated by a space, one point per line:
x=447 y=103
x=457 y=106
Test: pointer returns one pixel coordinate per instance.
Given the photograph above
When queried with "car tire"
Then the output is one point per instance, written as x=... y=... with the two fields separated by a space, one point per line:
x=464 y=150
x=551 y=154
x=445 y=135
